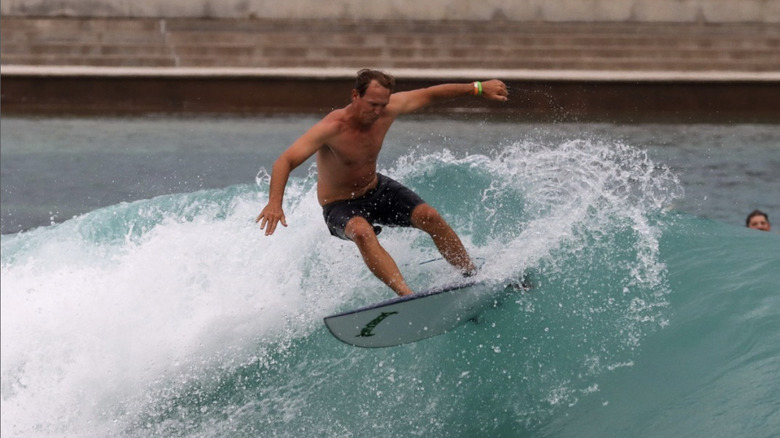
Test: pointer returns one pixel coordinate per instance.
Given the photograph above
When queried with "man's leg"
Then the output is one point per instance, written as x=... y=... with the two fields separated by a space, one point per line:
x=429 y=220
x=377 y=259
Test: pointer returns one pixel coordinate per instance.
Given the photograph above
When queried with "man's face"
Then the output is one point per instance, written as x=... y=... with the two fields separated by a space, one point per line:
x=759 y=222
x=372 y=104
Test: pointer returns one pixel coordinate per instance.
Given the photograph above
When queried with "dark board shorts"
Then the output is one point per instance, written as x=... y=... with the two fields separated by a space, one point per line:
x=389 y=203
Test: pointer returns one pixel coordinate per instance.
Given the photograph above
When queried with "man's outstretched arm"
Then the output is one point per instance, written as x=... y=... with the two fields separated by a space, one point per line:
x=409 y=101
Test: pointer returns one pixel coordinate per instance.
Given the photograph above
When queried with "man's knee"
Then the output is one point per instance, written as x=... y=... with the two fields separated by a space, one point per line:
x=424 y=216
x=359 y=230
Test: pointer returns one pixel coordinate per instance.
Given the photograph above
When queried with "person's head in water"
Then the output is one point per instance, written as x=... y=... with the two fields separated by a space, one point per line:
x=758 y=220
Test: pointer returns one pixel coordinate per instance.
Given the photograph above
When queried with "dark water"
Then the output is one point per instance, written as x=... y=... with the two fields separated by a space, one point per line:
x=173 y=315
x=54 y=169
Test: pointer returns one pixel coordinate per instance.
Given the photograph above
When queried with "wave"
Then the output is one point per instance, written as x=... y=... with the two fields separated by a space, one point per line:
x=176 y=316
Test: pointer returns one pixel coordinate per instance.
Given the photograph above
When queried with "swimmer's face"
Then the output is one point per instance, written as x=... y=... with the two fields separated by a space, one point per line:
x=371 y=106
x=759 y=222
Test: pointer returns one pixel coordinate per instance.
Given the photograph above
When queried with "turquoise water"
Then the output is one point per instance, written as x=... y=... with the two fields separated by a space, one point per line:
x=174 y=316
x=55 y=169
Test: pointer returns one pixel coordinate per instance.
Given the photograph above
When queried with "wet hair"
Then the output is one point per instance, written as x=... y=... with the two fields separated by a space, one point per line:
x=753 y=214
x=365 y=76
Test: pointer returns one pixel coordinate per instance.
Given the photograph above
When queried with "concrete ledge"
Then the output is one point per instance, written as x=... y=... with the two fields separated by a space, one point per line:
x=630 y=97
x=401 y=73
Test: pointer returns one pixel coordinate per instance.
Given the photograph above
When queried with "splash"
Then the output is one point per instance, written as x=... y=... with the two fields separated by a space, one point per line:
x=176 y=315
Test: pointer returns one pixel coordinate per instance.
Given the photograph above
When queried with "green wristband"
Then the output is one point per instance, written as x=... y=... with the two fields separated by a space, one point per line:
x=477 y=88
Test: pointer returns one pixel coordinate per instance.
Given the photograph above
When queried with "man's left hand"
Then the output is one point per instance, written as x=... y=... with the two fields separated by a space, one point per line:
x=495 y=90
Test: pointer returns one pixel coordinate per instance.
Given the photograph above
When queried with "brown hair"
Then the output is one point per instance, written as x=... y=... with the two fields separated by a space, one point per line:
x=755 y=213
x=365 y=76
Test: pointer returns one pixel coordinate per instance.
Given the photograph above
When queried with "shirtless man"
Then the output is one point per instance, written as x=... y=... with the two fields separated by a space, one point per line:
x=353 y=195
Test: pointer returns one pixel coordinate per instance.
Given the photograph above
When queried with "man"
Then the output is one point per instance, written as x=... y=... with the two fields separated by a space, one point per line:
x=758 y=220
x=353 y=195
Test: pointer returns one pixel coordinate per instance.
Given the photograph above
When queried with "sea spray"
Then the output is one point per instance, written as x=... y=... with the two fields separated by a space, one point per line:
x=177 y=316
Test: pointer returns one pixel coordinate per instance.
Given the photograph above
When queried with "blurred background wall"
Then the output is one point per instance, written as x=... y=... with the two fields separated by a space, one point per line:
x=713 y=60
x=703 y=11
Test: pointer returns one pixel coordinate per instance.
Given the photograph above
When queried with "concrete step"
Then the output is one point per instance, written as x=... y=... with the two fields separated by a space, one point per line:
x=464 y=27
x=97 y=61
x=71 y=50
x=306 y=56
x=308 y=59
x=487 y=53
x=476 y=41
x=203 y=26
x=484 y=53
x=673 y=64
x=626 y=47
x=156 y=31
x=414 y=44
x=77 y=25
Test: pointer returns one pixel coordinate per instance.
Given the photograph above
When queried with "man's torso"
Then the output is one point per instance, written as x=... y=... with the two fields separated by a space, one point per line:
x=346 y=165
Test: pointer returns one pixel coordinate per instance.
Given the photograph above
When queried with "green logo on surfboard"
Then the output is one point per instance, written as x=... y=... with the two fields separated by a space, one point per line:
x=366 y=332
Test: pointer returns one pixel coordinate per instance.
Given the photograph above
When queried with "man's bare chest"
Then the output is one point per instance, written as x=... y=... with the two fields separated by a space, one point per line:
x=356 y=149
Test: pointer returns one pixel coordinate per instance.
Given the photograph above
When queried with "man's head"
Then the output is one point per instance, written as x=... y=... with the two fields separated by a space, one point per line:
x=758 y=220
x=365 y=76
x=371 y=95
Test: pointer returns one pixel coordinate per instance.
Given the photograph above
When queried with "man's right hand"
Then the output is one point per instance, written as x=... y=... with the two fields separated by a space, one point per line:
x=269 y=217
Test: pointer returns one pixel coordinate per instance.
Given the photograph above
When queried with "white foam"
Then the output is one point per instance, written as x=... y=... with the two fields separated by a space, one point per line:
x=84 y=335
x=91 y=328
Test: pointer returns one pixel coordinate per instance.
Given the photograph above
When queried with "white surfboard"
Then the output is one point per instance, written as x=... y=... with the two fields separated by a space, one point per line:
x=414 y=317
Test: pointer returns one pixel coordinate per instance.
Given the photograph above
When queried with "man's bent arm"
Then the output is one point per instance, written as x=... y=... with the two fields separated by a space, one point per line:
x=300 y=151
x=280 y=173
x=273 y=212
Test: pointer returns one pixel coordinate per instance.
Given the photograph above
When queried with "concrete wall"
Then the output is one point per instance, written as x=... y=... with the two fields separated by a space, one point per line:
x=703 y=11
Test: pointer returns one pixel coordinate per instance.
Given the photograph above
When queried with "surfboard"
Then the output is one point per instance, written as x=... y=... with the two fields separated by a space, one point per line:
x=414 y=317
